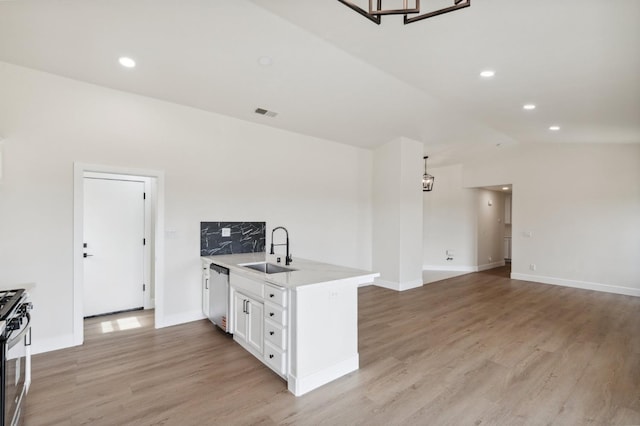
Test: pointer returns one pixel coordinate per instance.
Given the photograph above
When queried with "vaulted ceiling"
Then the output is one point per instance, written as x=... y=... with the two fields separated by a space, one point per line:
x=329 y=72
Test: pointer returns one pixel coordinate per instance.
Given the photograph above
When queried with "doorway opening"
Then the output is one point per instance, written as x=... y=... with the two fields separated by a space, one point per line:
x=494 y=224
x=129 y=243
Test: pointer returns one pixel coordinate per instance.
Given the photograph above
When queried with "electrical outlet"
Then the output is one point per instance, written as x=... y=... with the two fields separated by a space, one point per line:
x=532 y=266
x=226 y=232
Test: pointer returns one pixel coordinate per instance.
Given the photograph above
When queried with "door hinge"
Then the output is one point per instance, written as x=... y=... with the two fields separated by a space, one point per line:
x=144 y=195
x=144 y=287
x=144 y=241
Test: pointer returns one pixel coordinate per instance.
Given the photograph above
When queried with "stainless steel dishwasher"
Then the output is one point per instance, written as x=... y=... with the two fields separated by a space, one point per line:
x=219 y=297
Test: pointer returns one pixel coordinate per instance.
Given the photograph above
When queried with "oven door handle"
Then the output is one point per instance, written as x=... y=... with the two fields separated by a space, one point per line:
x=12 y=342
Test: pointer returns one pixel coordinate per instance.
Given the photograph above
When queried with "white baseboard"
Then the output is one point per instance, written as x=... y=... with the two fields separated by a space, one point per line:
x=398 y=286
x=367 y=280
x=182 y=318
x=452 y=268
x=628 y=291
x=301 y=385
x=429 y=277
x=487 y=266
x=39 y=345
x=464 y=268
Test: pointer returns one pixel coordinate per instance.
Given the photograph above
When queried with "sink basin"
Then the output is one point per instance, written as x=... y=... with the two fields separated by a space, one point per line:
x=267 y=268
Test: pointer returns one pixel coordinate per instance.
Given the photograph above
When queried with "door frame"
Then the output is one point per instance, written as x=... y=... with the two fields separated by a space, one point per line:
x=157 y=240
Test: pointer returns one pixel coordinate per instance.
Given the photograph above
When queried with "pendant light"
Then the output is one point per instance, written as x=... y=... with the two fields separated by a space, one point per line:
x=427 y=179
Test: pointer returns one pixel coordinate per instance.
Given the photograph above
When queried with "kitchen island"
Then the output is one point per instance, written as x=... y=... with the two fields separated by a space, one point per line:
x=302 y=323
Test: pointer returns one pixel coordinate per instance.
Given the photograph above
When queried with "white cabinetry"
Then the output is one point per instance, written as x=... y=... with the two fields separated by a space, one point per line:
x=260 y=320
x=290 y=332
x=275 y=327
x=248 y=313
x=248 y=322
x=205 y=288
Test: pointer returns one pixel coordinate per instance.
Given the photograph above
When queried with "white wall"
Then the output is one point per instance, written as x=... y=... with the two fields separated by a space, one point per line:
x=580 y=202
x=386 y=204
x=449 y=222
x=216 y=168
x=397 y=214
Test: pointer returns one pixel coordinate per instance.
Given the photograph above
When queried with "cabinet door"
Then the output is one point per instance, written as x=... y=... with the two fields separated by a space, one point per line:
x=255 y=325
x=205 y=291
x=275 y=334
x=240 y=316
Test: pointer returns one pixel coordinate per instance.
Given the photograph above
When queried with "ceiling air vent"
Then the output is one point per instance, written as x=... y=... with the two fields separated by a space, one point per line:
x=265 y=112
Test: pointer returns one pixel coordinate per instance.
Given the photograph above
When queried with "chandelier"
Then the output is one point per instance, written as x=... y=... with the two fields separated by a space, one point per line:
x=411 y=11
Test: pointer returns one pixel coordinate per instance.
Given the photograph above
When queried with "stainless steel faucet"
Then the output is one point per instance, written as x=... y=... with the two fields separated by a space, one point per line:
x=288 y=259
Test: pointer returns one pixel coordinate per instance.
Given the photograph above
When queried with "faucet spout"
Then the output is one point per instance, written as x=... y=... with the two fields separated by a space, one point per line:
x=288 y=258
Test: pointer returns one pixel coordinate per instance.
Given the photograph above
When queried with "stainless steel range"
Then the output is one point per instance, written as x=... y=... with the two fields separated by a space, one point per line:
x=15 y=354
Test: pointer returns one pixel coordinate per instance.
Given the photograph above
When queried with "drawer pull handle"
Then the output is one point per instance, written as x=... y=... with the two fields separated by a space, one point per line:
x=270 y=355
x=271 y=295
x=271 y=314
x=272 y=333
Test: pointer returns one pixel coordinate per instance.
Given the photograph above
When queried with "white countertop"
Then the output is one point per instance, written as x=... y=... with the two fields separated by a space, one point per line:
x=307 y=272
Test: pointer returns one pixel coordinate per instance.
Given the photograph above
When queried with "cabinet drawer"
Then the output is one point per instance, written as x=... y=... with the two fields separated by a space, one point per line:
x=275 y=359
x=246 y=285
x=275 y=294
x=275 y=334
x=275 y=313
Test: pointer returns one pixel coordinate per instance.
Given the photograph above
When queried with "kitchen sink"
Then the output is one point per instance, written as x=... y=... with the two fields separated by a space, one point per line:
x=267 y=268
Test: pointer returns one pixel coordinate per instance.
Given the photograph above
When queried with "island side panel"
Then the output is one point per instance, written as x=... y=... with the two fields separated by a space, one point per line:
x=324 y=334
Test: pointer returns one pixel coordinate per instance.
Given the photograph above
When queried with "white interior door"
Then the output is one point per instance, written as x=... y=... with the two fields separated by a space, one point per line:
x=113 y=233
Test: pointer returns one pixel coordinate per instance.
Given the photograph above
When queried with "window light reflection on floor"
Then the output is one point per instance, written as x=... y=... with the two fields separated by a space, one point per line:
x=120 y=324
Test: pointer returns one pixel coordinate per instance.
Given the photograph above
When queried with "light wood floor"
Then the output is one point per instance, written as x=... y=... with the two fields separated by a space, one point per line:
x=475 y=349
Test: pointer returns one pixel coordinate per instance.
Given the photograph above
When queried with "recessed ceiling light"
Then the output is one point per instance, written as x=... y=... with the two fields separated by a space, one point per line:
x=127 y=62
x=265 y=61
x=529 y=107
x=554 y=128
x=505 y=188
x=487 y=73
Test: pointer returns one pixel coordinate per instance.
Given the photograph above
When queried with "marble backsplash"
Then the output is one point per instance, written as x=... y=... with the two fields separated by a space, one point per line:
x=243 y=237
